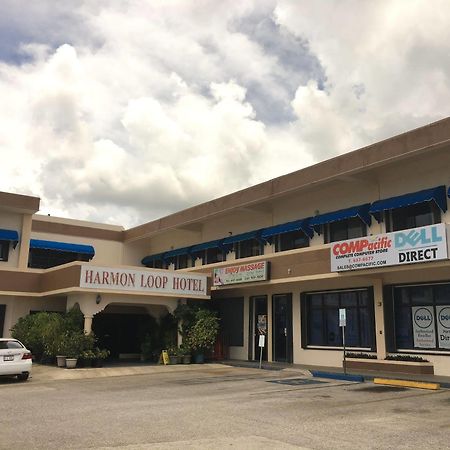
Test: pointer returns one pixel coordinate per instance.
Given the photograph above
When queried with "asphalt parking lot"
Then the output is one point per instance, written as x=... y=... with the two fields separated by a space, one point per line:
x=215 y=406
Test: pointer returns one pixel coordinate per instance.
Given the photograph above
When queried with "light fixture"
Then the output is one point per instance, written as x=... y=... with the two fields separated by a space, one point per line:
x=98 y=299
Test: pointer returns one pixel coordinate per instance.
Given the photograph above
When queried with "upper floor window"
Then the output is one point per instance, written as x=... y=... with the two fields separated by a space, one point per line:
x=43 y=258
x=416 y=209
x=413 y=216
x=344 y=229
x=4 y=250
x=209 y=255
x=290 y=240
x=247 y=248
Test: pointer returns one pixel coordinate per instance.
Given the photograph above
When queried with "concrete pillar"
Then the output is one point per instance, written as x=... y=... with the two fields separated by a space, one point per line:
x=269 y=328
x=24 y=243
x=88 y=324
x=379 y=318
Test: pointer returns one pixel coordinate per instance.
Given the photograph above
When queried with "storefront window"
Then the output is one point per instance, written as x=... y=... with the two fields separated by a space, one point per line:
x=422 y=317
x=322 y=319
x=413 y=216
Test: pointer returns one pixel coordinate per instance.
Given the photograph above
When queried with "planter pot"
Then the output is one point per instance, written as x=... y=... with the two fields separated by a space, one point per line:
x=383 y=365
x=174 y=359
x=96 y=362
x=186 y=359
x=61 y=361
x=200 y=358
x=71 y=363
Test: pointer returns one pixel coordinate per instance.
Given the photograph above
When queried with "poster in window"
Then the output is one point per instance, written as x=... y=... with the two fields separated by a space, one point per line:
x=443 y=326
x=423 y=327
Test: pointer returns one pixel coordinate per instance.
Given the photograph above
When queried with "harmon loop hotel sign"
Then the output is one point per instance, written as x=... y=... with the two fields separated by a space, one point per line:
x=417 y=245
x=150 y=281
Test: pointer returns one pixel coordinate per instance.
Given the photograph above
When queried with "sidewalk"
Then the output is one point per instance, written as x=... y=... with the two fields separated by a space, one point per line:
x=43 y=372
x=368 y=375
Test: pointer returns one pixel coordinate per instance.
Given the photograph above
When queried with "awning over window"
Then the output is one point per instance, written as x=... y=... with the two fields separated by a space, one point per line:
x=63 y=247
x=295 y=225
x=176 y=252
x=151 y=258
x=9 y=235
x=361 y=211
x=241 y=237
x=436 y=194
x=206 y=245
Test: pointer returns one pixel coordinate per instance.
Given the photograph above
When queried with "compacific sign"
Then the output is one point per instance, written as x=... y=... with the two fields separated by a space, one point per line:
x=401 y=247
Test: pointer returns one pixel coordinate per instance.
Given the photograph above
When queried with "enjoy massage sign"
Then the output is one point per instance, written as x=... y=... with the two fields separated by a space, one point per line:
x=416 y=245
x=151 y=281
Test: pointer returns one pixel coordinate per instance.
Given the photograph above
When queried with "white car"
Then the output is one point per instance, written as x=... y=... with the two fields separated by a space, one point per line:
x=15 y=359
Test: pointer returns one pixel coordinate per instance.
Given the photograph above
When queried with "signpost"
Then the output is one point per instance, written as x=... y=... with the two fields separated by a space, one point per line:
x=342 y=324
x=262 y=330
x=262 y=341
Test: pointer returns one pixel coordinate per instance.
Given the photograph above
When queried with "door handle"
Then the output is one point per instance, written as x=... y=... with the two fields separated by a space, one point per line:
x=285 y=331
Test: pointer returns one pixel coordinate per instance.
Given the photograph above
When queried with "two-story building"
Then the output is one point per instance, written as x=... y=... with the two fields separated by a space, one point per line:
x=365 y=232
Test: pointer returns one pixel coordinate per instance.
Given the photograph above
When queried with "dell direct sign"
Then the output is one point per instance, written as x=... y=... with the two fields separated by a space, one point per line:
x=416 y=245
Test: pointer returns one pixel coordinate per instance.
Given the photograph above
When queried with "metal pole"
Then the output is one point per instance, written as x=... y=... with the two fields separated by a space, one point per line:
x=260 y=357
x=343 y=343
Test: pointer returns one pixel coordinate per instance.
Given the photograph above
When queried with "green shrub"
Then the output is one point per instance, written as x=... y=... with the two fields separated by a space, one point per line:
x=203 y=333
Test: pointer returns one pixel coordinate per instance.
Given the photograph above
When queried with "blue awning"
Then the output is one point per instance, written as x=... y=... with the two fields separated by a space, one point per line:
x=206 y=245
x=361 y=211
x=63 y=247
x=9 y=235
x=230 y=240
x=436 y=194
x=295 y=225
x=176 y=252
x=151 y=258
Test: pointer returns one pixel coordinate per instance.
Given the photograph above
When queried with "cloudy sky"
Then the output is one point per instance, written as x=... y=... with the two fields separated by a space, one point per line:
x=124 y=111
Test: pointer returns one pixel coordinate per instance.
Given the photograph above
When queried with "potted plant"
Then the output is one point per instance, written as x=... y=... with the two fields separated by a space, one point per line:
x=185 y=352
x=99 y=357
x=202 y=335
x=174 y=357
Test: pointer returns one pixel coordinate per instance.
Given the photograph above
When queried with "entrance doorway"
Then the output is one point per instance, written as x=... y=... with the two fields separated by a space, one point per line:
x=282 y=327
x=259 y=324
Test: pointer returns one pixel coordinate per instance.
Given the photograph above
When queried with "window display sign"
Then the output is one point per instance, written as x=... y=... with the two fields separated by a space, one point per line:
x=262 y=324
x=423 y=326
x=244 y=273
x=443 y=326
x=416 y=245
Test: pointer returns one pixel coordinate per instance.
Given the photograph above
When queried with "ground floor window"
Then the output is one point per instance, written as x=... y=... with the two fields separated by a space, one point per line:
x=231 y=313
x=422 y=316
x=320 y=318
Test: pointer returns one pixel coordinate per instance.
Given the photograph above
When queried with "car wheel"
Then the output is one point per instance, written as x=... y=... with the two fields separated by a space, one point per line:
x=23 y=377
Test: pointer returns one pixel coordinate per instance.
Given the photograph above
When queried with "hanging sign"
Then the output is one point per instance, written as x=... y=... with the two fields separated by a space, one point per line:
x=443 y=326
x=423 y=326
x=417 y=245
x=244 y=273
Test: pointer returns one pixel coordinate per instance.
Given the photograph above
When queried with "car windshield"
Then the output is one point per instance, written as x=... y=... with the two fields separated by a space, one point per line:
x=4 y=345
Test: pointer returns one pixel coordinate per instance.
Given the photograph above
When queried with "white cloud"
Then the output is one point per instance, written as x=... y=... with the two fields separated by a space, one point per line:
x=123 y=112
